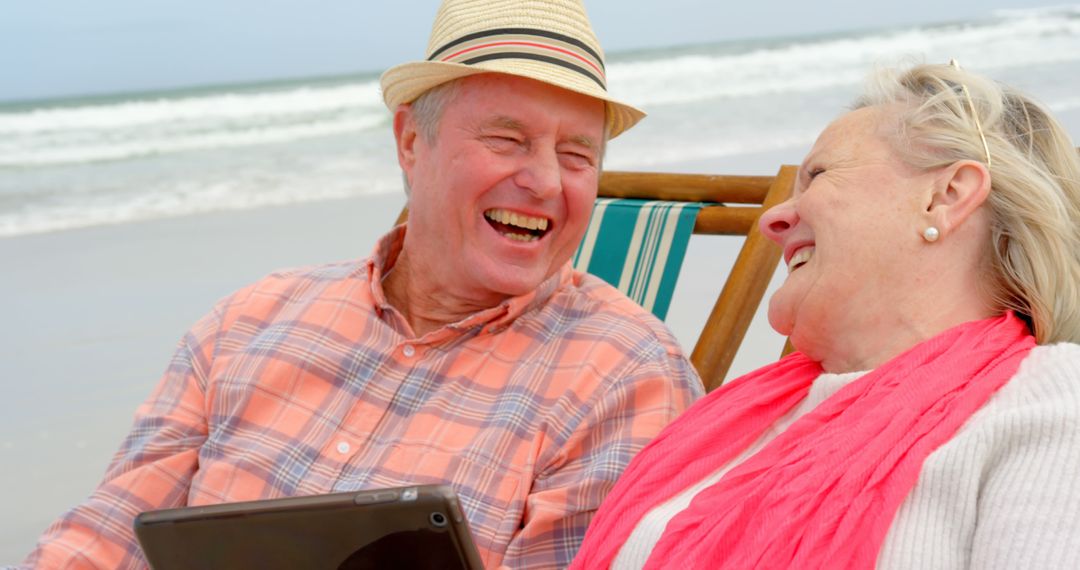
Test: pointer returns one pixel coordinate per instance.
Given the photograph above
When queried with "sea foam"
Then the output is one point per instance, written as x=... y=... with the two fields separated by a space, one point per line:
x=137 y=157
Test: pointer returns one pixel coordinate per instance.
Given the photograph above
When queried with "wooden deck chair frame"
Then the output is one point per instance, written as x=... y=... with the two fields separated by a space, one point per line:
x=754 y=266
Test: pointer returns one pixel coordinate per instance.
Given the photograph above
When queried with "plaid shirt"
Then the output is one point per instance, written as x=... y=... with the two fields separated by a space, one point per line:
x=309 y=382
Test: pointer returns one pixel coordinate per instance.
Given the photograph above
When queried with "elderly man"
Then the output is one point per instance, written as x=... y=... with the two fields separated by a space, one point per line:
x=464 y=351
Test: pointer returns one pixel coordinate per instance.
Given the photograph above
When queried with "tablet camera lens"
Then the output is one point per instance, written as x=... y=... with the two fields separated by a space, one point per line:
x=438 y=519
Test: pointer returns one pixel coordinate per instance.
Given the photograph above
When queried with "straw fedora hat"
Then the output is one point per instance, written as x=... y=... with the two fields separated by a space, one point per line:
x=546 y=40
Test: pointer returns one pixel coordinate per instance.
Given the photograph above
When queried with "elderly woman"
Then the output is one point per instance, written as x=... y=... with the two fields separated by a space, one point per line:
x=931 y=418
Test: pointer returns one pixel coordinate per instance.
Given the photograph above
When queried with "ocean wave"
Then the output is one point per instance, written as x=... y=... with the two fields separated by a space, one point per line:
x=131 y=129
x=138 y=128
x=635 y=158
x=83 y=164
x=330 y=180
x=153 y=144
x=1023 y=38
x=220 y=107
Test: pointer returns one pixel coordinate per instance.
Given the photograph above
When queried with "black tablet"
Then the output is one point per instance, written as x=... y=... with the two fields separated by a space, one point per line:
x=408 y=527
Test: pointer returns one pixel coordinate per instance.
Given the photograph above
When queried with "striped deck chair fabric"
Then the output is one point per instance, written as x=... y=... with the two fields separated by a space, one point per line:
x=638 y=246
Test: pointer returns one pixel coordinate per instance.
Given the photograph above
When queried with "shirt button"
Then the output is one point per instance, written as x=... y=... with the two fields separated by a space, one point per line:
x=409 y=350
x=343 y=447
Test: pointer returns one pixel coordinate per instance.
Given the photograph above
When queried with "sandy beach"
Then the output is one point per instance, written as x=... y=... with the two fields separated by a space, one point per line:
x=93 y=316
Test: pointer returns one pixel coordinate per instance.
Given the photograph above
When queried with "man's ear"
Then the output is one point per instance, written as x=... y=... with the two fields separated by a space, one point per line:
x=962 y=187
x=405 y=134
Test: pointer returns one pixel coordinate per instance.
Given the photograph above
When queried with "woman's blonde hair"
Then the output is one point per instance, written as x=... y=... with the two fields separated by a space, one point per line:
x=945 y=113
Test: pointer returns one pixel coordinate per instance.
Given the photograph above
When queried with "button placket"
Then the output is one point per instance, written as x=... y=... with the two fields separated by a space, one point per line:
x=366 y=415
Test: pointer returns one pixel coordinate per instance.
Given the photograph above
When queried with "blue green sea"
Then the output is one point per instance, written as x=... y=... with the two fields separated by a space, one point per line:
x=139 y=156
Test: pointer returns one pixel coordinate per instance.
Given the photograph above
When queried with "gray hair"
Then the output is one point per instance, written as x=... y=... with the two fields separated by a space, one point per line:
x=427 y=110
x=428 y=107
x=1034 y=253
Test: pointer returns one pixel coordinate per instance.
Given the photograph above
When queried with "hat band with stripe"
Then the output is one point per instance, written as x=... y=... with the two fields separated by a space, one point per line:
x=524 y=43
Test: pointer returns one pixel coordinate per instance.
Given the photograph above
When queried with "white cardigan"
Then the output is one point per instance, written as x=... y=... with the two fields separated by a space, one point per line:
x=1004 y=492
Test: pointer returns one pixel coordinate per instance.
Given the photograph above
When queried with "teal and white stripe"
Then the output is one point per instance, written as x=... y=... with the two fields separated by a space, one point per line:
x=638 y=246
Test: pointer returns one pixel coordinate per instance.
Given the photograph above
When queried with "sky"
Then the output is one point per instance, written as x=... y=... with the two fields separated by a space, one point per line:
x=62 y=48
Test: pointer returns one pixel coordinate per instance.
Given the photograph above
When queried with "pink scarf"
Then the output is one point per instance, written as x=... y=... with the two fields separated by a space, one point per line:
x=824 y=492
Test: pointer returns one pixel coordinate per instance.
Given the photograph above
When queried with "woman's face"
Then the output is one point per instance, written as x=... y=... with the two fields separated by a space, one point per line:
x=851 y=236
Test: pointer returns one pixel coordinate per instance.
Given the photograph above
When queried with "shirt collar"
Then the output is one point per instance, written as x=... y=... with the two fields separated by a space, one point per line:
x=496 y=318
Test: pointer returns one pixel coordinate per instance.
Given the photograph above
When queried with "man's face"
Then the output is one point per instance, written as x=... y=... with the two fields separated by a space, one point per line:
x=501 y=196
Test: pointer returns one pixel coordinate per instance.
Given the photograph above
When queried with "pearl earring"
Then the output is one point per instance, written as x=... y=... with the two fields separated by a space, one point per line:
x=931 y=234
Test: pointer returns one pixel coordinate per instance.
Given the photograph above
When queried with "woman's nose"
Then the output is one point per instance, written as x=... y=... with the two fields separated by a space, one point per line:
x=777 y=221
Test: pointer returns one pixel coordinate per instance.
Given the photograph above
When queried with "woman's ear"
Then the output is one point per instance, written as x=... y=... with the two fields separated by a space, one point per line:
x=405 y=135
x=962 y=187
